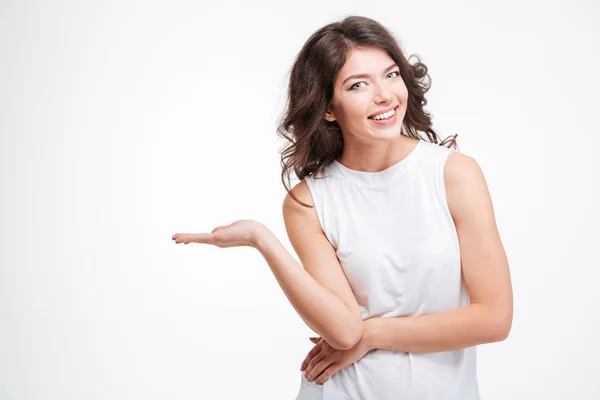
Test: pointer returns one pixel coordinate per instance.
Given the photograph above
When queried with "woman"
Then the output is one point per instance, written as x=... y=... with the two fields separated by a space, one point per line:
x=403 y=271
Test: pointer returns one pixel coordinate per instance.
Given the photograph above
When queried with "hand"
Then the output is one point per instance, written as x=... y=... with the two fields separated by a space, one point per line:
x=239 y=233
x=323 y=360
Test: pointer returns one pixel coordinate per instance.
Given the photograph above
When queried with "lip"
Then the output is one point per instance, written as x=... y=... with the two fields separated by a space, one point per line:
x=382 y=111
x=385 y=122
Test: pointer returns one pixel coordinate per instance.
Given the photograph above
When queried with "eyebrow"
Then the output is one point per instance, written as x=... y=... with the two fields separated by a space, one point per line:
x=367 y=75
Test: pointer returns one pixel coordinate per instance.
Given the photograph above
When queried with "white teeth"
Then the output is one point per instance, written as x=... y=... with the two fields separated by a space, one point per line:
x=385 y=115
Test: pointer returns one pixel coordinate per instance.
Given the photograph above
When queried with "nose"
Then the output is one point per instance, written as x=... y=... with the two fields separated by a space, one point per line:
x=382 y=94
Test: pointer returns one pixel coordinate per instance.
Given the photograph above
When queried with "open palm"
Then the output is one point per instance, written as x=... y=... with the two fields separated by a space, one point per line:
x=239 y=233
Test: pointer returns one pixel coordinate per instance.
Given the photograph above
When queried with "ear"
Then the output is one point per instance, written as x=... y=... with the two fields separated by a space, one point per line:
x=329 y=116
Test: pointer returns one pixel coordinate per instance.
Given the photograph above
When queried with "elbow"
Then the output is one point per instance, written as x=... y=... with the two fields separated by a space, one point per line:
x=350 y=337
x=499 y=334
x=500 y=326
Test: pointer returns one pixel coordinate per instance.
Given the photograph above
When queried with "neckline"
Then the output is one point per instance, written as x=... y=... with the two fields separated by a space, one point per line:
x=364 y=178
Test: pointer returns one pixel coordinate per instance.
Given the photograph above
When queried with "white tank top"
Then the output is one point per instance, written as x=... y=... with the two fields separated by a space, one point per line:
x=398 y=246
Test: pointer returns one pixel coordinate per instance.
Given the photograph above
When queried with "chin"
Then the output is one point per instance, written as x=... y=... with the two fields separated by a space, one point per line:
x=389 y=134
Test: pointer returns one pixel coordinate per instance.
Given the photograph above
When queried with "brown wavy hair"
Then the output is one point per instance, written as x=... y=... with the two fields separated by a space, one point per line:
x=315 y=142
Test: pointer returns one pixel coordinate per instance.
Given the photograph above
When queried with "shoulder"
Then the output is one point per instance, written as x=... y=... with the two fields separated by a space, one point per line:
x=296 y=215
x=466 y=187
x=461 y=167
x=302 y=192
x=310 y=190
x=301 y=222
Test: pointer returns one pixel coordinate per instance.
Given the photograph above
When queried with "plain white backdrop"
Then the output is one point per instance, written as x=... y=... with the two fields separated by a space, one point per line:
x=122 y=123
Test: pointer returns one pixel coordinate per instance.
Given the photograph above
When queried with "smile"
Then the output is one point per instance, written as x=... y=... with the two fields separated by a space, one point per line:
x=385 y=118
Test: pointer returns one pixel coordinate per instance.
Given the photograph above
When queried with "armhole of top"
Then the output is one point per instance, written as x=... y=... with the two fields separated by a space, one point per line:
x=442 y=184
x=317 y=205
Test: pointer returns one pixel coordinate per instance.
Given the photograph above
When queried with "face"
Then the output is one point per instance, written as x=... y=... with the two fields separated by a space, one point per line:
x=358 y=99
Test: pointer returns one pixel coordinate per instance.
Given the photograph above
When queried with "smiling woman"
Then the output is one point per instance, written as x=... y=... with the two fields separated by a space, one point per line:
x=376 y=220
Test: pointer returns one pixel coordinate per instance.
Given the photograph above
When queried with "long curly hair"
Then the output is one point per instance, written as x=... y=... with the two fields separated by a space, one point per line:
x=315 y=142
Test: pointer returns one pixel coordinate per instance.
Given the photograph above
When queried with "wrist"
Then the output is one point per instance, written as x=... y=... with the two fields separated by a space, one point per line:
x=369 y=333
x=260 y=236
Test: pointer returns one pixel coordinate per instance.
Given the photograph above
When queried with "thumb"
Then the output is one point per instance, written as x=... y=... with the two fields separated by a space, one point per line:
x=218 y=228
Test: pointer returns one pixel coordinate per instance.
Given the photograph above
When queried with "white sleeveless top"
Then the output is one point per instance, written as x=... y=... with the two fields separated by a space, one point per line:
x=398 y=246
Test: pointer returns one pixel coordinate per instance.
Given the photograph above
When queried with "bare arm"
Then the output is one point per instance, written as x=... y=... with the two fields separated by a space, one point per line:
x=485 y=270
x=317 y=289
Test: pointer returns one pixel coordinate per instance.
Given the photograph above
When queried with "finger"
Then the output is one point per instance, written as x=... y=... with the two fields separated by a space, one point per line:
x=328 y=373
x=314 y=339
x=310 y=372
x=218 y=228
x=315 y=350
x=178 y=236
x=207 y=238
x=319 y=368
x=202 y=238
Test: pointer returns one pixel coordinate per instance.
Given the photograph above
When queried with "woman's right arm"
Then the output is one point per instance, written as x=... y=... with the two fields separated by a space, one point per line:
x=318 y=289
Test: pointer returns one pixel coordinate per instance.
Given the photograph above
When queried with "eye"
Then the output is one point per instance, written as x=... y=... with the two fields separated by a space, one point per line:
x=354 y=87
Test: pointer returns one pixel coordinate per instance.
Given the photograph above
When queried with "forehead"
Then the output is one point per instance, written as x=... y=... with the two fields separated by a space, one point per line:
x=364 y=60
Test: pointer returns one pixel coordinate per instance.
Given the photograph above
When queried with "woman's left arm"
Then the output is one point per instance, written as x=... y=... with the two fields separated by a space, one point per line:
x=488 y=317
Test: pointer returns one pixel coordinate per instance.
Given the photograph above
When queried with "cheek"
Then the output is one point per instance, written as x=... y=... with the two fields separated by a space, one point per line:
x=359 y=108
x=353 y=113
x=403 y=92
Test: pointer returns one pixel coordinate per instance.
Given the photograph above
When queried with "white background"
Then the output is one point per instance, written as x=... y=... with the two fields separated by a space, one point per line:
x=122 y=123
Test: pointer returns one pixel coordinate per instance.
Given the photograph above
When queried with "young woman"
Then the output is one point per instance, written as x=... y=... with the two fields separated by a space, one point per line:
x=403 y=271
